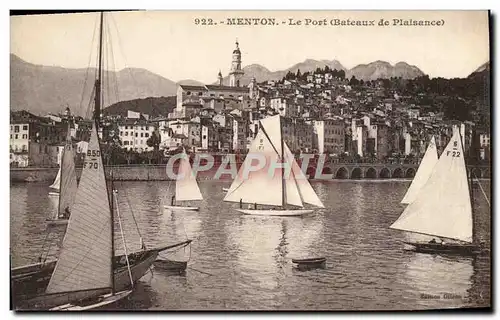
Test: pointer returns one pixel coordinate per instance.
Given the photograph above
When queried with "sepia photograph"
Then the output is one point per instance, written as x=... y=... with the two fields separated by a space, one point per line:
x=250 y=160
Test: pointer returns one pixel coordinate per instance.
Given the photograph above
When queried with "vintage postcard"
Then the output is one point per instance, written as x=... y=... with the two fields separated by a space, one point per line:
x=250 y=160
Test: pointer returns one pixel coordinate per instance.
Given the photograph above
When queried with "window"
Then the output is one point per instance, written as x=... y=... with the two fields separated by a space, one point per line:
x=25 y=127
x=188 y=93
x=204 y=137
x=16 y=129
x=146 y=134
x=16 y=136
x=11 y=135
x=192 y=141
x=126 y=133
x=125 y=143
x=136 y=134
x=25 y=136
x=200 y=93
x=142 y=134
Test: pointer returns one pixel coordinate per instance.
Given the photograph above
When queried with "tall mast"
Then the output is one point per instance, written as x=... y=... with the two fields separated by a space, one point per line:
x=97 y=116
x=97 y=109
x=112 y=236
x=283 y=182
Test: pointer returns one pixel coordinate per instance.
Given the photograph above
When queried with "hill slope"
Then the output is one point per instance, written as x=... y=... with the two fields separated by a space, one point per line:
x=43 y=89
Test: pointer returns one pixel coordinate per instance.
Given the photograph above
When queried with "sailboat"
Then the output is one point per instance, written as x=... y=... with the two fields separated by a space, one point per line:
x=423 y=172
x=87 y=274
x=442 y=208
x=55 y=186
x=186 y=186
x=67 y=182
x=272 y=187
x=83 y=276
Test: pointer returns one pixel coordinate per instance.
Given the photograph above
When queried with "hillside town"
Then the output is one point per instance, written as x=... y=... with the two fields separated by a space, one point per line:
x=322 y=111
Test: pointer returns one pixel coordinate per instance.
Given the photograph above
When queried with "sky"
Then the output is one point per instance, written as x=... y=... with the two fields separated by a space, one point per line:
x=170 y=44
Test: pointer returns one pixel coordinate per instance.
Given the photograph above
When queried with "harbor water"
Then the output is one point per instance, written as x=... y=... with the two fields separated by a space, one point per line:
x=239 y=262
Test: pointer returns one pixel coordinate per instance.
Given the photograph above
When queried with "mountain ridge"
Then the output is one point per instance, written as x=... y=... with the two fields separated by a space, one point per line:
x=43 y=89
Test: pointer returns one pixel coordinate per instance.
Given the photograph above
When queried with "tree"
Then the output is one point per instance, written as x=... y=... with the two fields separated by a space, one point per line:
x=298 y=74
x=341 y=74
x=353 y=81
x=111 y=143
x=154 y=142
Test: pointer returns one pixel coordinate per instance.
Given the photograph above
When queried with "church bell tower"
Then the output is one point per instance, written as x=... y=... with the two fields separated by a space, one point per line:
x=236 y=72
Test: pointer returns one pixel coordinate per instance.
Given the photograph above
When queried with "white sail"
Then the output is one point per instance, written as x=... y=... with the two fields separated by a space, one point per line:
x=442 y=208
x=186 y=187
x=85 y=259
x=306 y=191
x=423 y=173
x=261 y=186
x=68 y=177
x=291 y=189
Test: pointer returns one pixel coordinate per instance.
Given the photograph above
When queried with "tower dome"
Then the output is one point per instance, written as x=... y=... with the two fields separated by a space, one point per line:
x=237 y=50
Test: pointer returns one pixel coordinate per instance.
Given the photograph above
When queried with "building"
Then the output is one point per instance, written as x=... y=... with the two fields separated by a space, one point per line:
x=330 y=135
x=284 y=106
x=236 y=72
x=134 y=134
x=191 y=99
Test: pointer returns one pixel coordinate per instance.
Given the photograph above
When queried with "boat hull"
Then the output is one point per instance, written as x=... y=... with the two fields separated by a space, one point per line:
x=308 y=264
x=181 y=208
x=225 y=189
x=102 y=301
x=281 y=213
x=438 y=248
x=29 y=282
x=170 y=265
x=53 y=194
x=57 y=222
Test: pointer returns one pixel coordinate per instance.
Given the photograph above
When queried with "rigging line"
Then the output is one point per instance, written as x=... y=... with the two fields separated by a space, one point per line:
x=88 y=67
x=123 y=238
x=133 y=217
x=482 y=190
x=115 y=72
x=121 y=50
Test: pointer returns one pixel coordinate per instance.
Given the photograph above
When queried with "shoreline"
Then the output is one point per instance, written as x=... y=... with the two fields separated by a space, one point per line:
x=159 y=173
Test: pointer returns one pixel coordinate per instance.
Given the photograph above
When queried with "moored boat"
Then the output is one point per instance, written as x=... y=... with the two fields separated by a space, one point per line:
x=284 y=192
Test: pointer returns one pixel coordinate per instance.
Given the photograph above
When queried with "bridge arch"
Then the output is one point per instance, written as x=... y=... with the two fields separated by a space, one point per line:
x=476 y=173
x=342 y=173
x=384 y=173
x=356 y=173
x=410 y=173
x=371 y=173
x=327 y=170
x=311 y=172
x=486 y=173
x=398 y=173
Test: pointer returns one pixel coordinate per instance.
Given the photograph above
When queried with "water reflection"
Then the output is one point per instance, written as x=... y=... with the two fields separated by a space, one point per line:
x=244 y=262
x=438 y=281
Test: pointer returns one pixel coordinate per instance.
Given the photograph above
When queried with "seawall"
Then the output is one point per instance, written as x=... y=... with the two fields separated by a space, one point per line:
x=118 y=173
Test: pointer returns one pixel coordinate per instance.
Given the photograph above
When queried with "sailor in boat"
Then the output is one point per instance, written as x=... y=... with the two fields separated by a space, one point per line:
x=65 y=214
x=241 y=203
x=173 y=200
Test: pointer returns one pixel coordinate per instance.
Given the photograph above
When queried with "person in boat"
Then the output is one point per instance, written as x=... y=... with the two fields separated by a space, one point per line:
x=433 y=240
x=255 y=205
x=65 y=214
x=173 y=200
x=249 y=206
x=241 y=203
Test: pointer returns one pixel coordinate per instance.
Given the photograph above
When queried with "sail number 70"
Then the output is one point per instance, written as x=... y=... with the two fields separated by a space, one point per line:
x=453 y=153
x=92 y=165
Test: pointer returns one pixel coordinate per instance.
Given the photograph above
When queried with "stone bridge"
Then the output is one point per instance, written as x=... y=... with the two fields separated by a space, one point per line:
x=380 y=170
